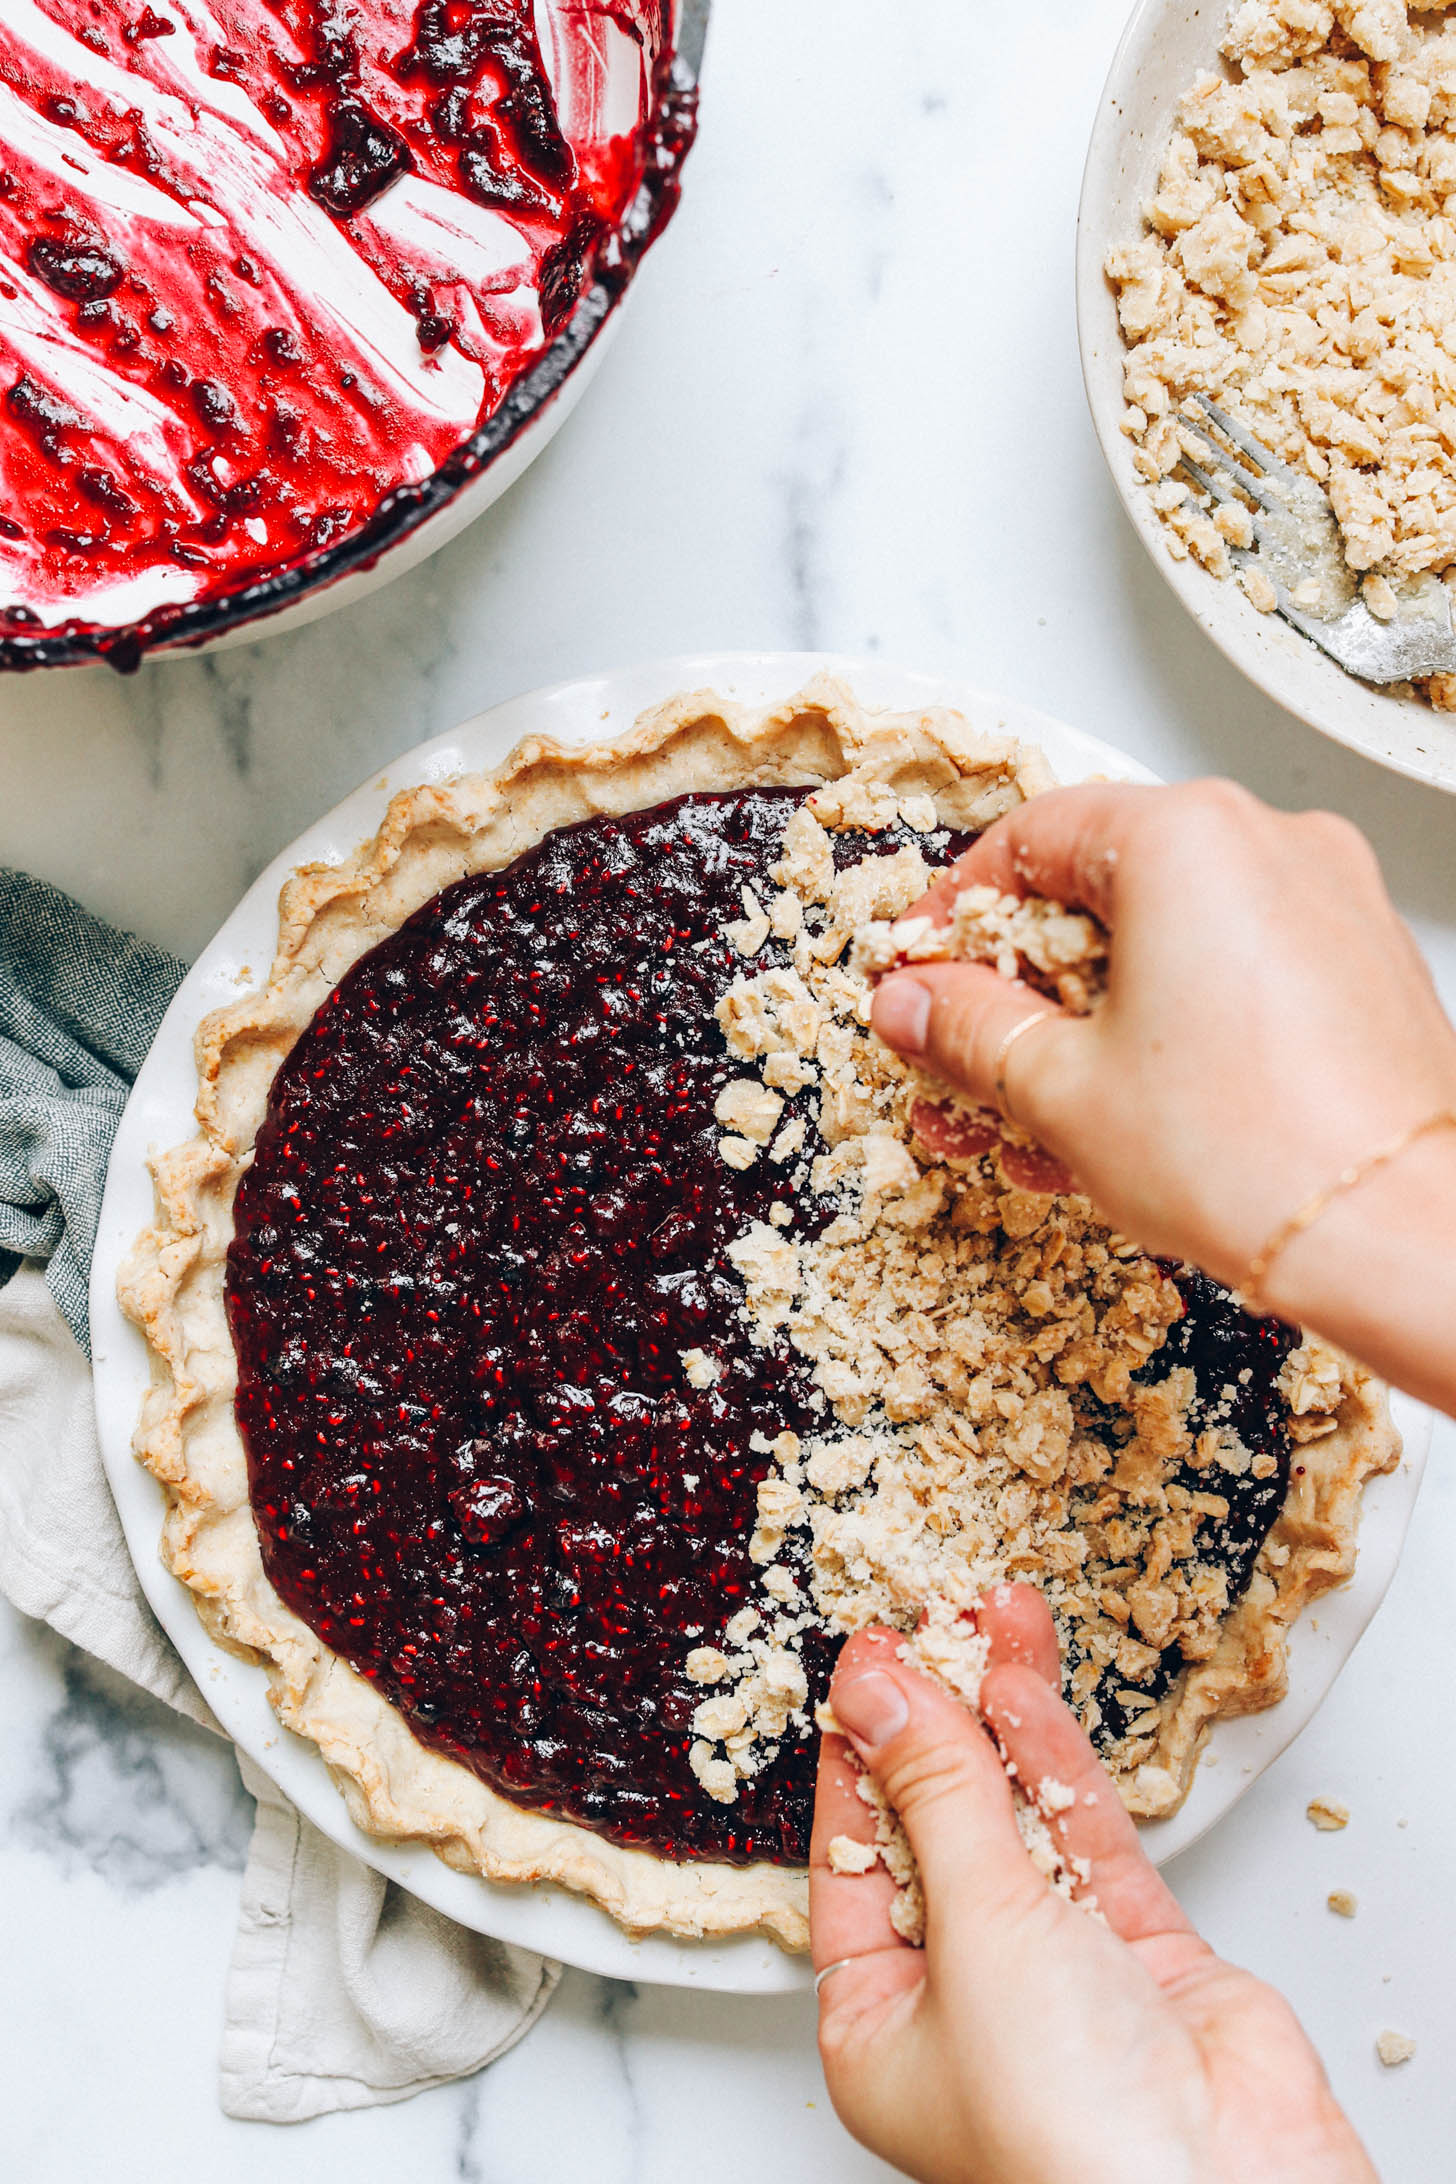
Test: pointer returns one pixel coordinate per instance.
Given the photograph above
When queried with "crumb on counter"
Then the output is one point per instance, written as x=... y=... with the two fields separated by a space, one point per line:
x=1342 y=1903
x=1394 y=2048
x=1327 y=1814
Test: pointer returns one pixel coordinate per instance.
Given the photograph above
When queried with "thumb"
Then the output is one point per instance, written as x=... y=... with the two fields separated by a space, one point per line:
x=956 y=1019
x=939 y=1770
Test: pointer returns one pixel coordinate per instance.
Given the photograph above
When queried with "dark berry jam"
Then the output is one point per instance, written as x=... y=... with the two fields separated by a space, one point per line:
x=486 y=1215
x=1236 y=1362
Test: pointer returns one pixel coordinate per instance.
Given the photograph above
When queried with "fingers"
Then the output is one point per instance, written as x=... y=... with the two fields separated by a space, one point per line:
x=869 y=1966
x=1022 y=1703
x=960 y=1133
x=1017 y=1624
x=940 y=1772
x=955 y=1018
x=952 y=1133
x=1045 y=1743
x=947 y=1782
x=870 y=1982
x=1066 y=845
x=1029 y=1168
x=849 y=1913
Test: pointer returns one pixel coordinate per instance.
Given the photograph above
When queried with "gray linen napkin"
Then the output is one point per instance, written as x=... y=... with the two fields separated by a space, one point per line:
x=344 y=1991
x=79 y=1006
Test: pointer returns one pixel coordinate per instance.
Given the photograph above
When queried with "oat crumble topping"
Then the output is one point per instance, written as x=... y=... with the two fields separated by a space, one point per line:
x=1327 y=1814
x=1010 y=933
x=1299 y=264
x=950 y=1318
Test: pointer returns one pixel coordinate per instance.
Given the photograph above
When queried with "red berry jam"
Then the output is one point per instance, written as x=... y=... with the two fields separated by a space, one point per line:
x=486 y=1215
x=266 y=263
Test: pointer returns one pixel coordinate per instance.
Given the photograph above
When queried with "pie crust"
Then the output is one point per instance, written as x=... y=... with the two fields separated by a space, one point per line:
x=172 y=1286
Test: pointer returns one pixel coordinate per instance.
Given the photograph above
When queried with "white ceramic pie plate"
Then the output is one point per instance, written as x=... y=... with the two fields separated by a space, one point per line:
x=160 y=1113
x=1167 y=44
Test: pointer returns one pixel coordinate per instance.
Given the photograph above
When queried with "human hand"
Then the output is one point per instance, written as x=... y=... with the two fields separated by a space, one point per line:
x=1268 y=1018
x=1029 y=2043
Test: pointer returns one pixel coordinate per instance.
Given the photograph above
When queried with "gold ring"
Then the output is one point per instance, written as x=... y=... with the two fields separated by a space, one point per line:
x=840 y=1964
x=1003 y=1052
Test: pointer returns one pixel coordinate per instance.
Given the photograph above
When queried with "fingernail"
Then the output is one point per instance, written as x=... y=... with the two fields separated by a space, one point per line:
x=871 y=1709
x=902 y=1014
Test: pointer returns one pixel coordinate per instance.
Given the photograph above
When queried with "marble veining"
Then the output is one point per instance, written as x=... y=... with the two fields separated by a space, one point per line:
x=844 y=410
x=615 y=2001
x=599 y=2020
x=801 y=505
x=469 y=2166
x=232 y=698
x=147 y=722
x=121 y=1788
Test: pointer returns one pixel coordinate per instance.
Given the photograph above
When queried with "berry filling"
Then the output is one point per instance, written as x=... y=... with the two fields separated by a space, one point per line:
x=486 y=1218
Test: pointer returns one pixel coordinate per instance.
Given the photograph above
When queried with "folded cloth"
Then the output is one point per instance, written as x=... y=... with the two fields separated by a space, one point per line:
x=344 y=1991
x=79 y=1006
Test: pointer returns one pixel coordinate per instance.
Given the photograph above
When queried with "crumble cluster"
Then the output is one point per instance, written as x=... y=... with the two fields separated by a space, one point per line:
x=1013 y=934
x=949 y=1318
x=1299 y=265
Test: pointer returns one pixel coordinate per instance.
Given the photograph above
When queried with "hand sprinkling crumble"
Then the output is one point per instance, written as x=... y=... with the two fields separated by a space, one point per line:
x=1265 y=1086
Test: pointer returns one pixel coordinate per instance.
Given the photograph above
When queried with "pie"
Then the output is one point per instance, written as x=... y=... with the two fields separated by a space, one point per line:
x=272 y=274
x=568 y=1322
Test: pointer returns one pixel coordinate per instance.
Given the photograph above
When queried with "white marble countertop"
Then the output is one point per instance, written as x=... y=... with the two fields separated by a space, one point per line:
x=844 y=413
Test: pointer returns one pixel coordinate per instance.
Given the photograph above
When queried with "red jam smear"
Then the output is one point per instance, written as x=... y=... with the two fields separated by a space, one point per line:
x=486 y=1215
x=179 y=401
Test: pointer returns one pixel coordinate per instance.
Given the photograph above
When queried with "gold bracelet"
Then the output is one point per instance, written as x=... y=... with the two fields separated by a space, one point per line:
x=1251 y=1288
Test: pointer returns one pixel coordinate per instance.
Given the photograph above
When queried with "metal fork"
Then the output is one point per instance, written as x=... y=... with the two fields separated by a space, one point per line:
x=1297 y=541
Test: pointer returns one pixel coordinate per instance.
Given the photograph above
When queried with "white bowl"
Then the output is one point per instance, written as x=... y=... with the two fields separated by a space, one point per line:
x=160 y=1113
x=1167 y=44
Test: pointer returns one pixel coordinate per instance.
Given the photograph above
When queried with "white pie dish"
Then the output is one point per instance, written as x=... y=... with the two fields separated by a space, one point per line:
x=160 y=1113
x=1166 y=44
